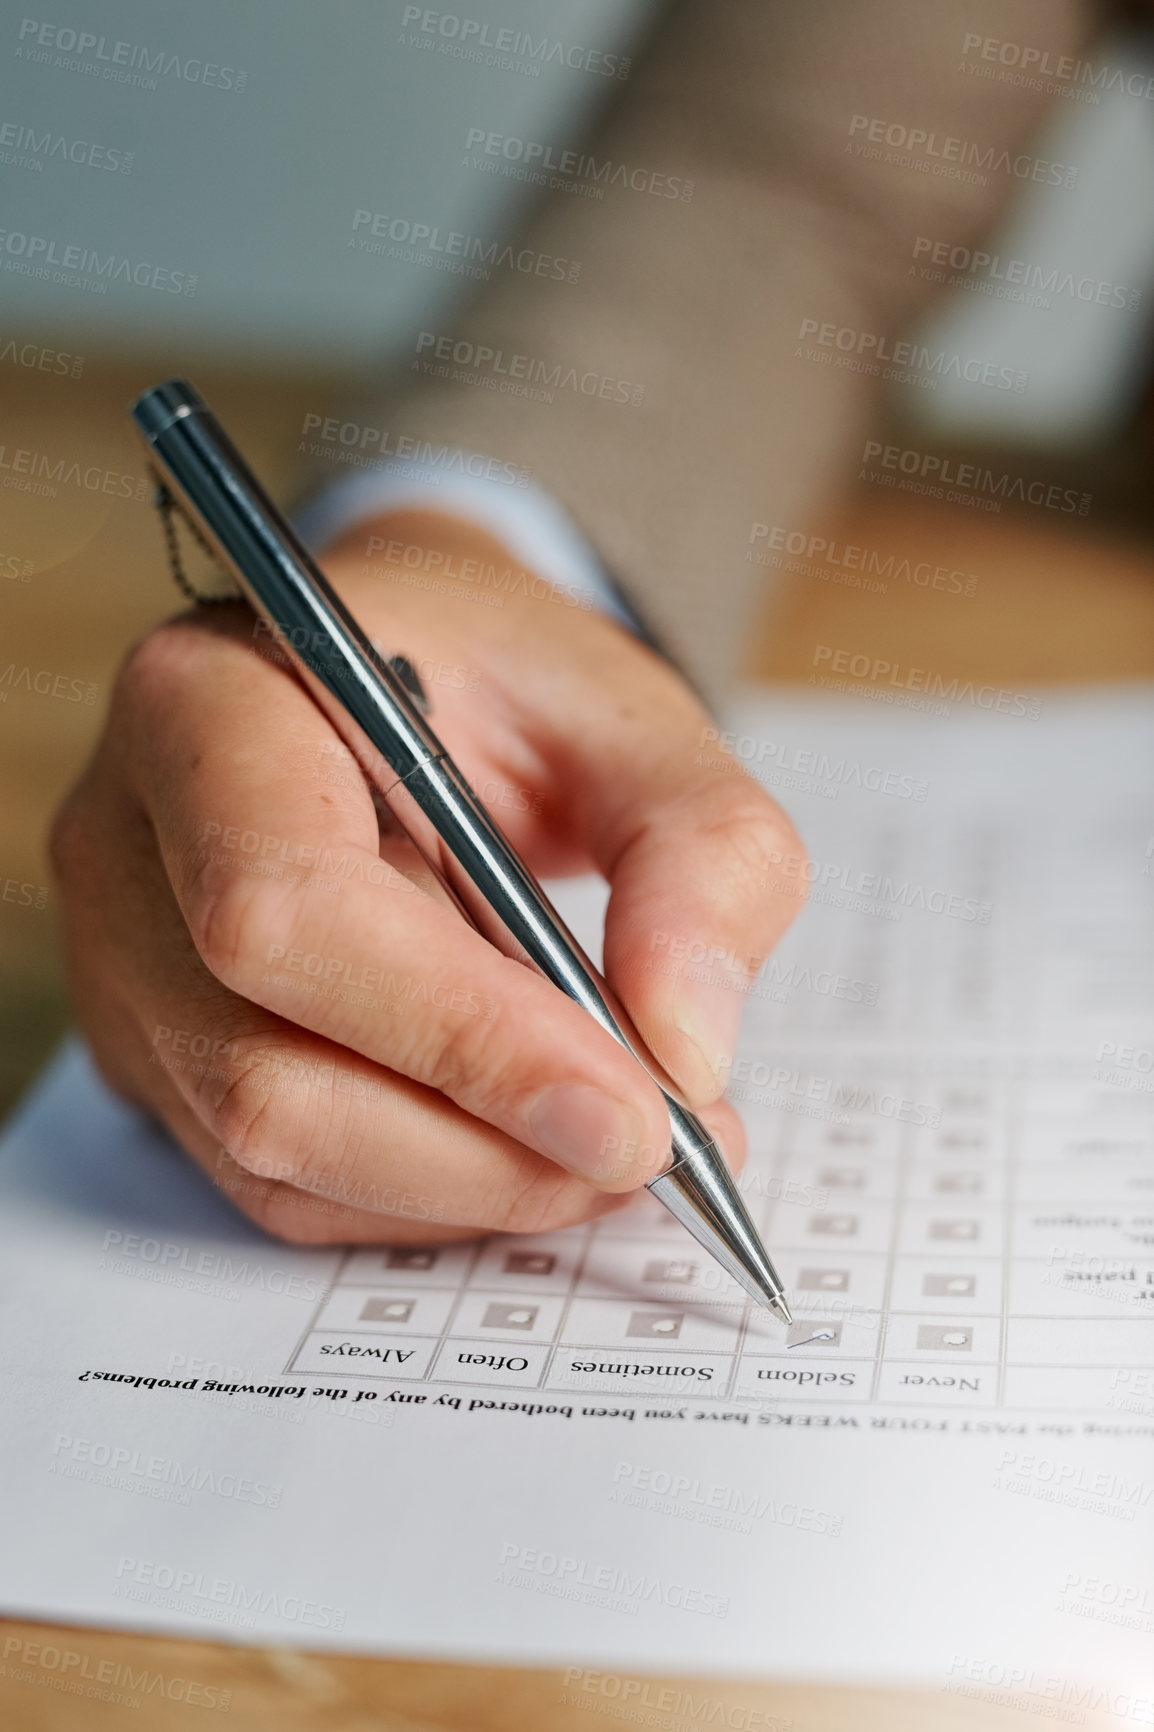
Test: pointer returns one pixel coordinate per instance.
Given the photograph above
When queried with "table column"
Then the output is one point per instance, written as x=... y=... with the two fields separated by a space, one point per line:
x=946 y=1300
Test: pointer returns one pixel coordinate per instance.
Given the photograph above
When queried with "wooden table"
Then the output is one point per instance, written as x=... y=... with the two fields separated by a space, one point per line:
x=1055 y=602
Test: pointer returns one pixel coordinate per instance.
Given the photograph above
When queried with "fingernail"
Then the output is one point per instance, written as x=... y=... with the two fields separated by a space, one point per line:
x=707 y=1009
x=591 y=1134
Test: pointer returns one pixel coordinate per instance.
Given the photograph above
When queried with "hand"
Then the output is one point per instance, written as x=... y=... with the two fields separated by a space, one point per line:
x=293 y=995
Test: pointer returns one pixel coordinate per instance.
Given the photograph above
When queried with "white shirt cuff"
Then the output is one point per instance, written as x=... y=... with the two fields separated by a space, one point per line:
x=526 y=519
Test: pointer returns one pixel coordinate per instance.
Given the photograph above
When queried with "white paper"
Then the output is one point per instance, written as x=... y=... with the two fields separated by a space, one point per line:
x=946 y=1480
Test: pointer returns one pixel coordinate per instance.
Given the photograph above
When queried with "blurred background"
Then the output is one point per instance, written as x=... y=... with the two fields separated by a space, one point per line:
x=217 y=162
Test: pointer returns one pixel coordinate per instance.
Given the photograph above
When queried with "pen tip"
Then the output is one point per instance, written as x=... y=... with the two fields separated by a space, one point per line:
x=780 y=1309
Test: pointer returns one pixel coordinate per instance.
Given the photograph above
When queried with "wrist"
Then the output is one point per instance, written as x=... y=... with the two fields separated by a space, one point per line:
x=533 y=530
x=419 y=553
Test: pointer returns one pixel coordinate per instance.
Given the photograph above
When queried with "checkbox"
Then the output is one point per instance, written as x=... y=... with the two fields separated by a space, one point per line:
x=843 y=1178
x=965 y=1101
x=934 y=1337
x=949 y=1286
x=814 y=1335
x=411 y=1257
x=499 y=1316
x=530 y=1263
x=670 y=1269
x=835 y=1226
x=387 y=1310
x=959 y=1184
x=824 y=1280
x=967 y=1230
x=655 y=1325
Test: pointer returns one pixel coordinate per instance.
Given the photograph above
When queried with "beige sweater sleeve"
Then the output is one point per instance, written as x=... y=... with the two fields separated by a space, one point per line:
x=773 y=109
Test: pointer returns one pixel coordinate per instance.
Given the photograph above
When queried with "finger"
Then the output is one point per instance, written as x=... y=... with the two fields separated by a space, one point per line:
x=321 y=1204
x=703 y=865
x=291 y=907
x=393 y=1198
x=312 y=1142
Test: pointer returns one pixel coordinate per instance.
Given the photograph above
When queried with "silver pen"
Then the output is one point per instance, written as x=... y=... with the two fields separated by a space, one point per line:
x=379 y=710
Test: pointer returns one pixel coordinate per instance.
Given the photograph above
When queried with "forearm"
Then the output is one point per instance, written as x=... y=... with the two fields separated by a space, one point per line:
x=702 y=303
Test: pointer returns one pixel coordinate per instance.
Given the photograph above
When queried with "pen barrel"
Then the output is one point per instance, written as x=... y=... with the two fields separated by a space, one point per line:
x=488 y=880
x=441 y=815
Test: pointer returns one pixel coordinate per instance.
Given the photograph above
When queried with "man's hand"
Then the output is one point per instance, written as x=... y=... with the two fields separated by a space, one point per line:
x=294 y=997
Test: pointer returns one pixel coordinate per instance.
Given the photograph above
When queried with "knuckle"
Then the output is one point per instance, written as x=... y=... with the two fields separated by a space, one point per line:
x=753 y=833
x=466 y=1060
x=760 y=851
x=148 y=671
x=245 y=1119
x=548 y=1201
x=234 y=921
x=532 y=1206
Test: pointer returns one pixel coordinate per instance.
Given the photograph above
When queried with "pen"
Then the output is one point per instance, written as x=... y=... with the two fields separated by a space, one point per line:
x=378 y=708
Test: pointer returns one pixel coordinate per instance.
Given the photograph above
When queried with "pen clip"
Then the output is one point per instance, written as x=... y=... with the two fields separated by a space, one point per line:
x=411 y=680
x=169 y=510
